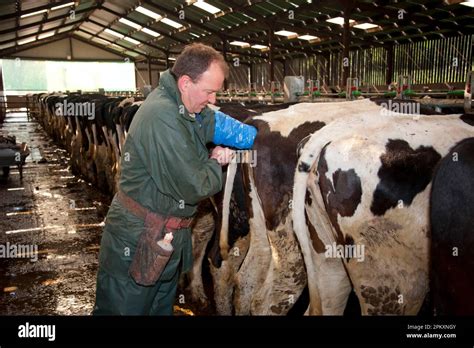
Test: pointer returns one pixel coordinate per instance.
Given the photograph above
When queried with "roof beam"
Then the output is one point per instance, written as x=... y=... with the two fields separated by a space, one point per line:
x=173 y=14
x=52 y=19
x=34 y=34
x=34 y=9
x=105 y=8
x=234 y=8
x=220 y=34
x=141 y=41
x=112 y=42
x=92 y=43
x=7 y=51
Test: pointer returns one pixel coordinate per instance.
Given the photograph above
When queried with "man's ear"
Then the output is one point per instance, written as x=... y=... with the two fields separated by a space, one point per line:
x=183 y=83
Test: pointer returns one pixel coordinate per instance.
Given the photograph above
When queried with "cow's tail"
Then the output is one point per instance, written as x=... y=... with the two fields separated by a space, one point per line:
x=224 y=232
x=309 y=158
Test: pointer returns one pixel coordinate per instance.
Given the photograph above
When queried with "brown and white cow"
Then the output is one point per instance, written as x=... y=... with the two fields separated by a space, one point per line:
x=363 y=182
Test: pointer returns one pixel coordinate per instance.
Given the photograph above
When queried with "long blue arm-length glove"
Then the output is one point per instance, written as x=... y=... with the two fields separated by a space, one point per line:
x=230 y=132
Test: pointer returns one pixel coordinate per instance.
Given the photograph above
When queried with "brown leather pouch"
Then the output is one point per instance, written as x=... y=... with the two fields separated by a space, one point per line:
x=150 y=257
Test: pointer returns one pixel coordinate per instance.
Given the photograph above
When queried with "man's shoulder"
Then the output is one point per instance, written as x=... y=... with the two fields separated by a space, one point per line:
x=159 y=107
x=154 y=115
x=161 y=102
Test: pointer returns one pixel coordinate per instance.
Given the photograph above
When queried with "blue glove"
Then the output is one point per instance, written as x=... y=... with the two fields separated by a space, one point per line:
x=230 y=132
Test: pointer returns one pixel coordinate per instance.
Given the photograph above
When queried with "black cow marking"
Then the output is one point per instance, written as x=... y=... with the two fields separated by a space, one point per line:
x=274 y=176
x=318 y=244
x=468 y=118
x=308 y=200
x=404 y=173
x=342 y=198
x=452 y=221
x=348 y=240
x=382 y=299
x=303 y=167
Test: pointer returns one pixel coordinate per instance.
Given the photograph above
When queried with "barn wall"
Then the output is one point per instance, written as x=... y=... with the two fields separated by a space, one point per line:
x=61 y=49
x=445 y=60
x=239 y=77
x=141 y=74
x=435 y=61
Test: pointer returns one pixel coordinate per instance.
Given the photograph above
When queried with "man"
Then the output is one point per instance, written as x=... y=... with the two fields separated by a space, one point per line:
x=166 y=171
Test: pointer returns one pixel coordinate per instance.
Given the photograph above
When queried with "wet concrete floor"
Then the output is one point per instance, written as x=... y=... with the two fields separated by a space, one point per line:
x=50 y=229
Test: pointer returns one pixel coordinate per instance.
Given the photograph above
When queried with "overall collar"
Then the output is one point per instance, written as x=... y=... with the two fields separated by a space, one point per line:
x=169 y=84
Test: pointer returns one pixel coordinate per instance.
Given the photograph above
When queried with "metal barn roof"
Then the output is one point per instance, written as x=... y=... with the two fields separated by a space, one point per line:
x=159 y=29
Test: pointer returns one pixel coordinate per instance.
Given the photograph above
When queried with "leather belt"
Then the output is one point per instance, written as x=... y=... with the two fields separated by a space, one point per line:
x=172 y=222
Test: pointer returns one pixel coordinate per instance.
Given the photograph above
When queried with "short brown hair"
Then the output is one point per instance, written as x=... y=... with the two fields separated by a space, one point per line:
x=196 y=59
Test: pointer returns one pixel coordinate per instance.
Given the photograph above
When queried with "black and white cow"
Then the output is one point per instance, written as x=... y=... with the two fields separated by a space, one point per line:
x=271 y=275
x=452 y=232
x=94 y=139
x=360 y=209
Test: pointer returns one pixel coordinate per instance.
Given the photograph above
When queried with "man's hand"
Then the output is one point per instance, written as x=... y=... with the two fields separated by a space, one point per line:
x=223 y=155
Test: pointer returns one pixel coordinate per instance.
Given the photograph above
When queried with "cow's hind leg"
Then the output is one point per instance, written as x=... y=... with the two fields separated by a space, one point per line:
x=328 y=274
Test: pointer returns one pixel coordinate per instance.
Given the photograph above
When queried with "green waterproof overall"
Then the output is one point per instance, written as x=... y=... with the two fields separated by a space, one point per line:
x=165 y=167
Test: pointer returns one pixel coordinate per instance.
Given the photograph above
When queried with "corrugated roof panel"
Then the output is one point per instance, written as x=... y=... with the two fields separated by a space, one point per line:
x=225 y=21
x=262 y=10
x=138 y=17
x=7 y=45
x=239 y=17
x=105 y=15
x=28 y=5
x=50 y=25
x=28 y=31
x=85 y=4
x=91 y=27
x=65 y=11
x=121 y=5
x=8 y=36
x=32 y=19
x=132 y=54
x=84 y=35
x=98 y=19
x=7 y=24
x=7 y=6
x=62 y=30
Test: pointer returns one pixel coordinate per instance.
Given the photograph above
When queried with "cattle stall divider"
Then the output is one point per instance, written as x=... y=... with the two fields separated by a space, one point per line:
x=468 y=92
x=352 y=86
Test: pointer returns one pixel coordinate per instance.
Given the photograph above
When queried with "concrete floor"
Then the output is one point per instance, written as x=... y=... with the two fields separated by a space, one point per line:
x=50 y=229
x=56 y=219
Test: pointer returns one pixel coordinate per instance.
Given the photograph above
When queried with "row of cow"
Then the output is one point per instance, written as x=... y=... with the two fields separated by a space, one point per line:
x=92 y=128
x=338 y=201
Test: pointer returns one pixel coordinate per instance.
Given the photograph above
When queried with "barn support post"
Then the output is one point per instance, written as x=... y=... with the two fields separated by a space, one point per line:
x=326 y=78
x=149 y=70
x=224 y=53
x=167 y=53
x=346 y=38
x=270 y=52
x=389 y=71
x=2 y=96
x=252 y=74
